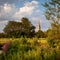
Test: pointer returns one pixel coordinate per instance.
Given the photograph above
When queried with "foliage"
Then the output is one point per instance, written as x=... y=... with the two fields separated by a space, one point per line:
x=28 y=27
x=52 y=13
x=31 y=49
x=40 y=34
x=53 y=34
x=13 y=29
x=17 y=29
x=2 y=35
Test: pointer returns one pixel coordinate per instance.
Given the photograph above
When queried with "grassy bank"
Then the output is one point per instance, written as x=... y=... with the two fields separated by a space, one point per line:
x=31 y=49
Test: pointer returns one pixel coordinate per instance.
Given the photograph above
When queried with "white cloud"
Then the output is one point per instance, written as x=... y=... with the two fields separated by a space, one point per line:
x=7 y=8
x=10 y=12
x=24 y=11
x=32 y=3
x=27 y=9
x=6 y=11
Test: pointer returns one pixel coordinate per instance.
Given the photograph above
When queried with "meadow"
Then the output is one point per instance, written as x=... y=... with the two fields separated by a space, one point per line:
x=31 y=49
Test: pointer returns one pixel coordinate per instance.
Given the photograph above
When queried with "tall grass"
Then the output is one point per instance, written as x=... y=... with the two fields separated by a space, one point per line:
x=31 y=49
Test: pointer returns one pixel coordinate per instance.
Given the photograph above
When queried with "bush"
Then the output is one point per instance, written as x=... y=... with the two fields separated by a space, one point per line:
x=32 y=49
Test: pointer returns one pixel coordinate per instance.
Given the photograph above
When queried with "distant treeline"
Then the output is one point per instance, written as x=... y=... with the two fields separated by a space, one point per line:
x=17 y=29
x=26 y=29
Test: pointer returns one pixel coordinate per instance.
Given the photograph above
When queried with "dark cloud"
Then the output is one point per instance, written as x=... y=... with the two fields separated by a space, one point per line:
x=7 y=1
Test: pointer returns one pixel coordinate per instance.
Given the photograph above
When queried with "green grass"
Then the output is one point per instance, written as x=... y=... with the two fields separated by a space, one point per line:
x=31 y=49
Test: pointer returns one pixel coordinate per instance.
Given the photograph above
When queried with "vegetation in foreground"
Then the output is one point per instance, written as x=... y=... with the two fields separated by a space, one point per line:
x=31 y=49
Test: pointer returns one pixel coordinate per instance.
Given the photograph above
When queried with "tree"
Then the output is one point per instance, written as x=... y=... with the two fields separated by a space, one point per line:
x=40 y=34
x=52 y=13
x=51 y=34
x=28 y=27
x=13 y=28
x=17 y=29
x=2 y=35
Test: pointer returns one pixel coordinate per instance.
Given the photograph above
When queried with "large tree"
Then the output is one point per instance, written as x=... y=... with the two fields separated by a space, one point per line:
x=13 y=28
x=17 y=29
x=29 y=28
x=52 y=13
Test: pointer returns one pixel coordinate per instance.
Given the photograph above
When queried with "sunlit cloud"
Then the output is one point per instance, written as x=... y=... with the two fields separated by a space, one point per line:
x=27 y=9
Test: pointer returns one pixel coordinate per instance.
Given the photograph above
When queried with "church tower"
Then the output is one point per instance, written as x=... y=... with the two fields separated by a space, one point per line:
x=38 y=26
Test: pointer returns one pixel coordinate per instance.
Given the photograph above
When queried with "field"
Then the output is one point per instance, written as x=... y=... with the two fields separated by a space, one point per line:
x=31 y=49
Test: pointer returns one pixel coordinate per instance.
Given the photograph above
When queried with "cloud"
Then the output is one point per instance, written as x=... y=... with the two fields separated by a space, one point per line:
x=2 y=25
x=7 y=11
x=27 y=9
x=2 y=2
x=11 y=12
x=32 y=3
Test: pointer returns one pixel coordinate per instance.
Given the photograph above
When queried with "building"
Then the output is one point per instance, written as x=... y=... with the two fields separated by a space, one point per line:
x=38 y=28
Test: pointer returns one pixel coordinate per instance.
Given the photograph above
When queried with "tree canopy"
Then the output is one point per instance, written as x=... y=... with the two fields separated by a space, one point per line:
x=52 y=13
x=17 y=29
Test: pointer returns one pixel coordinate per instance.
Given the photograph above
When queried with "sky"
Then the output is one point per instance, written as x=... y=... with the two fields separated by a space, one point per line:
x=14 y=10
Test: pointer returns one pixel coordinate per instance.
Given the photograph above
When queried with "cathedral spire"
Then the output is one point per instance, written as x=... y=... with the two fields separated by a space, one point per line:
x=38 y=28
x=39 y=25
